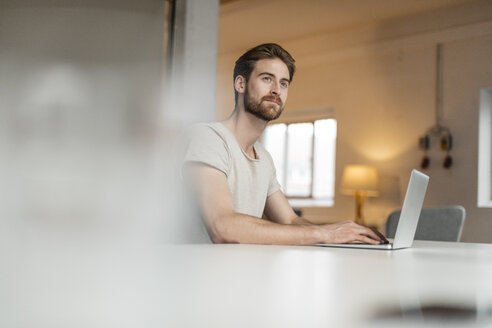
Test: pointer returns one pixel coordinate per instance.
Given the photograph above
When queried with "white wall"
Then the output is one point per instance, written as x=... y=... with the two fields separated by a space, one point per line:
x=380 y=80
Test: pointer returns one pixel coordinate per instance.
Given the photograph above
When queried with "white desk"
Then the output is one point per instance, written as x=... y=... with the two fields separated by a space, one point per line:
x=256 y=286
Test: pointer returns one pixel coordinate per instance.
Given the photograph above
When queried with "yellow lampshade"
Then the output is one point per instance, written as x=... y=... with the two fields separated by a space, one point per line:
x=360 y=178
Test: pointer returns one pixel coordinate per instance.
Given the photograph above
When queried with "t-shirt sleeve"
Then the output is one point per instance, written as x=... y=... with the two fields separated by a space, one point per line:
x=207 y=147
x=273 y=185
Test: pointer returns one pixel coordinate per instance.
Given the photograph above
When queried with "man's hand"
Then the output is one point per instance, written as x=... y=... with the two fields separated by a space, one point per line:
x=349 y=232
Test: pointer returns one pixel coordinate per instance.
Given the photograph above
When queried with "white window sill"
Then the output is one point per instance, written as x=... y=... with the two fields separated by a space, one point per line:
x=310 y=202
x=484 y=204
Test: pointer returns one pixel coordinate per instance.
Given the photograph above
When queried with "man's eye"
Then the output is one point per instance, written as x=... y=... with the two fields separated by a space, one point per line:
x=267 y=78
x=284 y=84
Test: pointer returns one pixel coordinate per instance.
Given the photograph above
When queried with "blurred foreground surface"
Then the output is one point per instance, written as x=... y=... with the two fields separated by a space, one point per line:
x=432 y=285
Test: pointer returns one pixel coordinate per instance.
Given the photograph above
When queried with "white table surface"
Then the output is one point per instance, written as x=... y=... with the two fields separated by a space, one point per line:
x=431 y=284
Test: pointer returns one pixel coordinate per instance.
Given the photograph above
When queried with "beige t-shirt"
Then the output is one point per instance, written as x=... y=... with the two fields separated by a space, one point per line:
x=250 y=180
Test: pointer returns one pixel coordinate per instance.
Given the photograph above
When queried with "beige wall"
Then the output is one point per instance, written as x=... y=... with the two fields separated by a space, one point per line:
x=380 y=80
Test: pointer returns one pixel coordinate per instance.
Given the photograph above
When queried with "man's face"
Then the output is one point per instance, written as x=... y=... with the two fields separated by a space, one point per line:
x=267 y=88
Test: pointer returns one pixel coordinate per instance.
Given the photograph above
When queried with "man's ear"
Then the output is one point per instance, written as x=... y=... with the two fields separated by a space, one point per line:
x=240 y=84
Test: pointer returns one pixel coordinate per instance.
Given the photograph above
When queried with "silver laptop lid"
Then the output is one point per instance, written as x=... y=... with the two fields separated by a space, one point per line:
x=410 y=213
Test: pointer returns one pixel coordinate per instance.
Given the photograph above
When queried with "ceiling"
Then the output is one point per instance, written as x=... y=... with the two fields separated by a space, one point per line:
x=244 y=23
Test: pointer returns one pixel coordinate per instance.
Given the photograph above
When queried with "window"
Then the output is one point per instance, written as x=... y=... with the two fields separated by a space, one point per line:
x=304 y=156
x=485 y=149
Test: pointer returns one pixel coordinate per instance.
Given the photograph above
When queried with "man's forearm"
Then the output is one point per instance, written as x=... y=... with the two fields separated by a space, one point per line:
x=245 y=229
x=300 y=220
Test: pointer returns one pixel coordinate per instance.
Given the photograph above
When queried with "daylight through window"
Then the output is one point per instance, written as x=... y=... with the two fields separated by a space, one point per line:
x=485 y=149
x=304 y=156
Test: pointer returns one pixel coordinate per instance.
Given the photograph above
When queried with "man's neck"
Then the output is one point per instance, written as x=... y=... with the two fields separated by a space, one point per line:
x=246 y=127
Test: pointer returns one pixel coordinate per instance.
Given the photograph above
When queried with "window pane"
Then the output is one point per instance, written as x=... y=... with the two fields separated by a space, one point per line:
x=485 y=149
x=299 y=157
x=325 y=134
x=274 y=141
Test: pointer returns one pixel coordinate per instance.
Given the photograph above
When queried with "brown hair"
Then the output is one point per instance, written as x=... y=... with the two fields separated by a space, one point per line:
x=246 y=63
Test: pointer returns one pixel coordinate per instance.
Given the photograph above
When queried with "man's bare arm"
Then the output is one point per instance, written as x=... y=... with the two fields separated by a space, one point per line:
x=227 y=226
x=278 y=209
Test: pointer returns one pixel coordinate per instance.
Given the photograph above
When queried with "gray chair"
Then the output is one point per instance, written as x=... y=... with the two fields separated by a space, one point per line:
x=441 y=224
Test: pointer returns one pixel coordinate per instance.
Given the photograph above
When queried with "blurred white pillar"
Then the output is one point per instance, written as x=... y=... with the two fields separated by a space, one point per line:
x=80 y=85
x=191 y=89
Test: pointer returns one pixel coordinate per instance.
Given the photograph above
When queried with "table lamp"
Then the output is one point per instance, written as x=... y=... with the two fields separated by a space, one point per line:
x=360 y=181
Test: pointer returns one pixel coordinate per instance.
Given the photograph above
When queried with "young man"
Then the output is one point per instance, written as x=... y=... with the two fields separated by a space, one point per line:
x=232 y=174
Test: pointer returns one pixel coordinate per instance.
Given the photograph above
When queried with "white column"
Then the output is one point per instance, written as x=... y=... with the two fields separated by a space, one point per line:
x=191 y=89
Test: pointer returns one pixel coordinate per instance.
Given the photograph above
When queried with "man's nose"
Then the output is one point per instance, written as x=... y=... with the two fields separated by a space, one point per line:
x=275 y=88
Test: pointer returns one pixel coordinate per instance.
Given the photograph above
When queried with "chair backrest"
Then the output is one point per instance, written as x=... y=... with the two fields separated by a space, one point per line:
x=441 y=224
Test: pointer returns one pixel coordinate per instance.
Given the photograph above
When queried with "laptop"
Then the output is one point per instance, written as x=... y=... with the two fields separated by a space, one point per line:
x=409 y=217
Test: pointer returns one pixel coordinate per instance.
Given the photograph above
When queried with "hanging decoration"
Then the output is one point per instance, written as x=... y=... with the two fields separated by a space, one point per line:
x=438 y=131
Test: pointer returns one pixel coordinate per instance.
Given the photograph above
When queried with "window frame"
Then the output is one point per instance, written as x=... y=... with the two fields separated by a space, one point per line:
x=307 y=116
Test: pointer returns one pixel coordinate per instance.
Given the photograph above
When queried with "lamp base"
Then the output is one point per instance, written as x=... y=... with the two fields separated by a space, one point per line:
x=360 y=198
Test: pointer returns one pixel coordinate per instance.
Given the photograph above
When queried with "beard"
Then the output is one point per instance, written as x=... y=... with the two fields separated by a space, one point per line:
x=262 y=109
